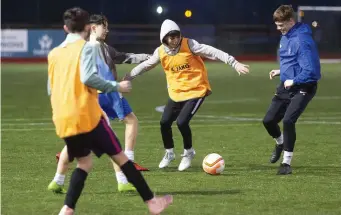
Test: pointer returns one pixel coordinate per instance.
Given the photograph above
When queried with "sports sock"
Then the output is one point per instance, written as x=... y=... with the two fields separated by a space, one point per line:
x=59 y=179
x=287 y=157
x=76 y=186
x=121 y=178
x=279 y=140
x=129 y=154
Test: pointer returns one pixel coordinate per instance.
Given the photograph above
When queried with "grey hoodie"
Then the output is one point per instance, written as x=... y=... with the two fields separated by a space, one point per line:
x=196 y=48
x=112 y=57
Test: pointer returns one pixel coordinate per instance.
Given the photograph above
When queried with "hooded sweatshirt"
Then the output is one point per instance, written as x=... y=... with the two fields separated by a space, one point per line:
x=196 y=48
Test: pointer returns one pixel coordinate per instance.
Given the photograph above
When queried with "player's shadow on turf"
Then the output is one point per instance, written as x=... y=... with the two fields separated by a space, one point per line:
x=186 y=192
x=317 y=170
x=201 y=192
x=263 y=167
x=175 y=169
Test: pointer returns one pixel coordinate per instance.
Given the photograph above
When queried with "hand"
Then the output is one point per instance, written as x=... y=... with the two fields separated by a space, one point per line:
x=241 y=68
x=124 y=86
x=288 y=83
x=274 y=73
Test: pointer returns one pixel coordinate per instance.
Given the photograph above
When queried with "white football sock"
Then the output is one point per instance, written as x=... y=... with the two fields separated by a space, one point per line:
x=59 y=179
x=279 y=140
x=130 y=154
x=287 y=157
x=121 y=178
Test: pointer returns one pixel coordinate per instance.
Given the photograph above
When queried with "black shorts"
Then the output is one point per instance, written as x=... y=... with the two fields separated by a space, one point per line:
x=101 y=140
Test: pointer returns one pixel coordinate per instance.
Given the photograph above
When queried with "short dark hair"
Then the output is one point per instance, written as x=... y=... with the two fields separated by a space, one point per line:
x=98 y=19
x=284 y=13
x=76 y=19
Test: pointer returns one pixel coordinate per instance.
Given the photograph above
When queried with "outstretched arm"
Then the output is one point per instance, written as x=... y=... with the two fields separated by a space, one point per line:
x=216 y=54
x=128 y=58
x=145 y=66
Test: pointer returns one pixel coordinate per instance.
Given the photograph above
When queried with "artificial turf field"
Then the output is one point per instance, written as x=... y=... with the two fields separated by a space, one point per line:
x=228 y=123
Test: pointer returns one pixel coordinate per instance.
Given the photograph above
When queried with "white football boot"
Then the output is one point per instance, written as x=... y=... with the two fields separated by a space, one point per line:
x=169 y=157
x=187 y=158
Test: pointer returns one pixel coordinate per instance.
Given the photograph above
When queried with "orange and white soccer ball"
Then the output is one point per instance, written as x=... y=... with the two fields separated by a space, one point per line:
x=213 y=164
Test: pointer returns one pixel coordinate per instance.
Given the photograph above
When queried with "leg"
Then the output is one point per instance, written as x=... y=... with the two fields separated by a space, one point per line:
x=155 y=204
x=57 y=185
x=130 y=141
x=107 y=104
x=108 y=143
x=122 y=182
x=78 y=147
x=273 y=116
x=131 y=123
x=189 y=108
x=169 y=115
x=298 y=104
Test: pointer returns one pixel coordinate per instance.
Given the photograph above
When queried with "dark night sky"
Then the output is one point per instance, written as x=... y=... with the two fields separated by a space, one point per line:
x=143 y=11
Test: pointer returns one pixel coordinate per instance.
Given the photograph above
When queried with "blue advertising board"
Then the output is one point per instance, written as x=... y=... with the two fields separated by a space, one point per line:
x=22 y=43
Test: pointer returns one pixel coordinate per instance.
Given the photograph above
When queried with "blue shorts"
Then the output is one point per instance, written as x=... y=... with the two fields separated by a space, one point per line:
x=106 y=103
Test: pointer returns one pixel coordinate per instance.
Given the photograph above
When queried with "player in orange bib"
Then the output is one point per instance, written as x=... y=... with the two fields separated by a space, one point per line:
x=74 y=80
x=187 y=82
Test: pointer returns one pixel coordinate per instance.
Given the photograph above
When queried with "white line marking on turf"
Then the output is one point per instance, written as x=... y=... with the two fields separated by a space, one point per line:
x=49 y=119
x=260 y=119
x=30 y=124
x=327 y=98
x=115 y=123
x=231 y=118
x=246 y=100
x=25 y=119
x=253 y=119
x=143 y=126
x=160 y=108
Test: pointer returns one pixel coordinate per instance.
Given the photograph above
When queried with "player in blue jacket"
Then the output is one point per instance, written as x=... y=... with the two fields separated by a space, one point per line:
x=299 y=73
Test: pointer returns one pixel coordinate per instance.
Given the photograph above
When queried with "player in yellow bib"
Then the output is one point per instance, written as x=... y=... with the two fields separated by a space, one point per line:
x=73 y=77
x=187 y=84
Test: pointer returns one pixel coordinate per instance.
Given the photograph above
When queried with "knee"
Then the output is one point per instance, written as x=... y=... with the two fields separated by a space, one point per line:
x=131 y=119
x=85 y=163
x=182 y=123
x=268 y=121
x=288 y=121
x=164 y=123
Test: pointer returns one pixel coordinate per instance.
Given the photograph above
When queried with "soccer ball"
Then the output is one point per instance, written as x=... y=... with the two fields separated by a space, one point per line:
x=213 y=164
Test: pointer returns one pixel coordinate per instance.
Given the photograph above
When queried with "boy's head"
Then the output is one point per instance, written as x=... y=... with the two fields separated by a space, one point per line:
x=284 y=18
x=76 y=20
x=172 y=39
x=170 y=34
x=99 y=26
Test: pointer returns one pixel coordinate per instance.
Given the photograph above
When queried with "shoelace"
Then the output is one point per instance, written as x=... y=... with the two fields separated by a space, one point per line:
x=167 y=156
x=187 y=155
